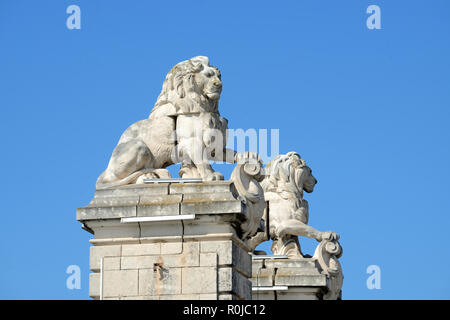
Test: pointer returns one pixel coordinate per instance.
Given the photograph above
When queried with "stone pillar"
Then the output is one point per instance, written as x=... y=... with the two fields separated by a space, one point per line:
x=167 y=241
x=280 y=278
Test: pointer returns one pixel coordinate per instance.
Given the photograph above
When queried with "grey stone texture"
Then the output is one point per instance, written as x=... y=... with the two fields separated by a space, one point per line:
x=199 y=258
x=143 y=271
x=289 y=279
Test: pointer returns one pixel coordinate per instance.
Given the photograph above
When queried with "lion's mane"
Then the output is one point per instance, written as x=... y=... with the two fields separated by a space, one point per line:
x=180 y=93
x=282 y=174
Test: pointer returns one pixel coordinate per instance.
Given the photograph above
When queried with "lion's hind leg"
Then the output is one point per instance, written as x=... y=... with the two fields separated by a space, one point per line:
x=127 y=158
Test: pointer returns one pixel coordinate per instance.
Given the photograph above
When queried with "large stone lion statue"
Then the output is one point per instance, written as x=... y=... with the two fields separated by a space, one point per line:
x=184 y=127
x=286 y=178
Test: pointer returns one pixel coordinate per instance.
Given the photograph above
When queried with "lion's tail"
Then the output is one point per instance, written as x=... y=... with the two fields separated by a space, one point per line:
x=127 y=180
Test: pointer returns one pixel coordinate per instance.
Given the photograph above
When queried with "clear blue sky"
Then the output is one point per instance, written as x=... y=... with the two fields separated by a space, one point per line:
x=369 y=110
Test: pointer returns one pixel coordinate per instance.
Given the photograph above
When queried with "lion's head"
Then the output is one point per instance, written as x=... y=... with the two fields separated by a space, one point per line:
x=190 y=86
x=289 y=173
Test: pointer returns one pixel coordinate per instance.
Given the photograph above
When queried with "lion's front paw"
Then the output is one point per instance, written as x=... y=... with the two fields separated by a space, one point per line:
x=327 y=235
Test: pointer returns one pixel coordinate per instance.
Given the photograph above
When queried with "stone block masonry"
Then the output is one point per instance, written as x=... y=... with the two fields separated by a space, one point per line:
x=179 y=239
x=290 y=279
x=182 y=243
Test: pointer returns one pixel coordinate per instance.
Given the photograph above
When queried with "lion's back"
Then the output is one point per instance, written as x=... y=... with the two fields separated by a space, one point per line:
x=134 y=131
x=159 y=130
x=164 y=110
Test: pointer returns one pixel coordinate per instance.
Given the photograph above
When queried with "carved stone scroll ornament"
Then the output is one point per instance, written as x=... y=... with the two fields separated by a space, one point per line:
x=327 y=254
x=246 y=177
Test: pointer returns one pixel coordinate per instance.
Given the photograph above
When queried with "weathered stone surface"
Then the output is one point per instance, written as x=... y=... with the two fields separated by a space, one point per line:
x=118 y=283
x=241 y=260
x=263 y=295
x=177 y=259
x=95 y=213
x=190 y=257
x=208 y=259
x=133 y=189
x=307 y=293
x=209 y=197
x=208 y=207
x=256 y=265
x=303 y=263
x=209 y=224
x=138 y=262
x=264 y=277
x=215 y=212
x=163 y=200
x=158 y=210
x=144 y=249
x=160 y=281
x=161 y=229
x=229 y=254
x=227 y=296
x=125 y=201
x=181 y=297
x=94 y=285
x=295 y=277
x=231 y=281
x=291 y=279
x=199 y=280
x=137 y=298
x=98 y=252
x=111 y=263
x=131 y=205
x=222 y=248
x=196 y=188
x=172 y=247
x=112 y=228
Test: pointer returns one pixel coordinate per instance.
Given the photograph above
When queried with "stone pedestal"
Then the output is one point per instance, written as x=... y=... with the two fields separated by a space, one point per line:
x=167 y=241
x=278 y=278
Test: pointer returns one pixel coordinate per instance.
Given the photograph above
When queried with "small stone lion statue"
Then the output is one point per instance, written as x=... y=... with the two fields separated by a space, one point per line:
x=286 y=177
x=184 y=126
